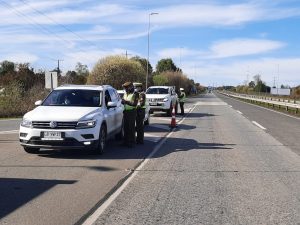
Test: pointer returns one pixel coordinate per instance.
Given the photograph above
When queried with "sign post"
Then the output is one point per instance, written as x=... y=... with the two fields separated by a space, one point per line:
x=50 y=80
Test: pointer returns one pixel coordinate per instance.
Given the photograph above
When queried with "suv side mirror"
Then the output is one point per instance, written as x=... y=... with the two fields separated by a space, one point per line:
x=111 y=105
x=38 y=103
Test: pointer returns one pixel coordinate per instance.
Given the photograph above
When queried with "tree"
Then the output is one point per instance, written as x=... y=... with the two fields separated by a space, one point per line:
x=251 y=84
x=81 y=69
x=160 y=80
x=144 y=63
x=285 y=86
x=165 y=65
x=116 y=70
x=6 y=66
x=257 y=79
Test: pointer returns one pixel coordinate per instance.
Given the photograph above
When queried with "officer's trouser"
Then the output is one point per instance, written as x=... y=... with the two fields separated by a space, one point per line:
x=140 y=115
x=129 y=126
x=181 y=107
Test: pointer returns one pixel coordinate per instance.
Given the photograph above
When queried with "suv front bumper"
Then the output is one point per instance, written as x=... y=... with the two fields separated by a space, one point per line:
x=70 y=139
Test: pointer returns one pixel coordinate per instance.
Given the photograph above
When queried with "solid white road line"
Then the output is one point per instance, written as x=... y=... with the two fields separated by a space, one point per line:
x=239 y=112
x=9 y=132
x=5 y=120
x=257 y=124
x=92 y=218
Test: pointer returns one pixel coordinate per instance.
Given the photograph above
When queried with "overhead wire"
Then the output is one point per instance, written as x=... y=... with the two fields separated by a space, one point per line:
x=37 y=25
x=61 y=25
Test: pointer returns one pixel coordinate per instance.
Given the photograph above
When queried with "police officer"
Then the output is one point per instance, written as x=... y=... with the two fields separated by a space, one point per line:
x=182 y=98
x=140 y=113
x=130 y=100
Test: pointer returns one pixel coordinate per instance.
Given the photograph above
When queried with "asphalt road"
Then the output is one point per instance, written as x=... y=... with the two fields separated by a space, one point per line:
x=223 y=169
x=218 y=167
x=284 y=128
x=62 y=187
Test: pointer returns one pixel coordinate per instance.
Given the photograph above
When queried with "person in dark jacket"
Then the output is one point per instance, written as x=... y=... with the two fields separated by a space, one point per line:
x=182 y=98
x=140 y=113
x=130 y=100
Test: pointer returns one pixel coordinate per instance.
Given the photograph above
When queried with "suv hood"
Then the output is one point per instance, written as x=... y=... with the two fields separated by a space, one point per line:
x=61 y=113
x=157 y=96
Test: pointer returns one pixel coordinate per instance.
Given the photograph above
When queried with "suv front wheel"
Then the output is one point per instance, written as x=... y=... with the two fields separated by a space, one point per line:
x=100 y=147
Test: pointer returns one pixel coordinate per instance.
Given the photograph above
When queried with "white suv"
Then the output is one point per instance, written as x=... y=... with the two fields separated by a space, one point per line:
x=162 y=98
x=73 y=117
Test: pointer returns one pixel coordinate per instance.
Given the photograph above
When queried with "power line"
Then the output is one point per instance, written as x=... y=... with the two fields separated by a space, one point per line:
x=37 y=25
x=61 y=25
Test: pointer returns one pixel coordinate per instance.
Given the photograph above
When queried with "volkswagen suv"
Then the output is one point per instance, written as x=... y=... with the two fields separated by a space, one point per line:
x=73 y=117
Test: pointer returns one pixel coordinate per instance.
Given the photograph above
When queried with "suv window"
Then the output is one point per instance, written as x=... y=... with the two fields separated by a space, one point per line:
x=71 y=97
x=107 y=98
x=113 y=95
x=157 y=91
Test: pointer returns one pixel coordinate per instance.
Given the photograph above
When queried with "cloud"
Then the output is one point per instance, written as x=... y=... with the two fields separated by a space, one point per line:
x=20 y=57
x=206 y=14
x=225 y=49
x=242 y=47
x=177 y=52
x=236 y=72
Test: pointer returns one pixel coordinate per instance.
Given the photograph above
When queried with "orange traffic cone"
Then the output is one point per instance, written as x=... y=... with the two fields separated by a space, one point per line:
x=173 y=120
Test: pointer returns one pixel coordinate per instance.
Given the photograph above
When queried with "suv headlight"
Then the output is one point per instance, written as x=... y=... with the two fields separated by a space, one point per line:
x=86 y=124
x=165 y=99
x=26 y=123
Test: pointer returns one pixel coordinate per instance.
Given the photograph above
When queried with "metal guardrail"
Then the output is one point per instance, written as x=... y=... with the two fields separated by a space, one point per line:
x=273 y=103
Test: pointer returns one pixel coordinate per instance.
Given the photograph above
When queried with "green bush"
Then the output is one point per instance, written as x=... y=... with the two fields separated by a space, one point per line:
x=16 y=102
x=116 y=70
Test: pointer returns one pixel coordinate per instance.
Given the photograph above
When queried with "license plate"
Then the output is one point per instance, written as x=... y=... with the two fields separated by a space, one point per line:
x=51 y=135
x=152 y=103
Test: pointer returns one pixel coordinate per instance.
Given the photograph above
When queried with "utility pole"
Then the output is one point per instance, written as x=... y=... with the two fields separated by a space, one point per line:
x=58 y=70
x=147 y=75
x=126 y=54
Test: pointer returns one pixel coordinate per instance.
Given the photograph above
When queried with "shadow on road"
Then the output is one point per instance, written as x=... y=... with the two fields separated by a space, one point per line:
x=16 y=192
x=98 y=168
x=199 y=115
x=116 y=152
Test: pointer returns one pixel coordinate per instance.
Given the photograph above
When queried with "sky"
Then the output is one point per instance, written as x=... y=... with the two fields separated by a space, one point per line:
x=215 y=42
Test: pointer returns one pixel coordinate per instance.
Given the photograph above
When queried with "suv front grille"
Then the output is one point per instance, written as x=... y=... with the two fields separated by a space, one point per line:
x=59 y=125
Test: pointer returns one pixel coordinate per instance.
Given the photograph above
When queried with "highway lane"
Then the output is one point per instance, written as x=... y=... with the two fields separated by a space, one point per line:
x=61 y=187
x=9 y=125
x=284 y=128
x=222 y=170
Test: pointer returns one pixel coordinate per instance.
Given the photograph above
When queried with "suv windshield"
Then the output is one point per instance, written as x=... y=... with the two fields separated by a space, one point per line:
x=69 y=97
x=157 y=91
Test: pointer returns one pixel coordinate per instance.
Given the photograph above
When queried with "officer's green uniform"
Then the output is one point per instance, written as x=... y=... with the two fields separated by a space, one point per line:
x=129 y=118
x=140 y=116
x=182 y=98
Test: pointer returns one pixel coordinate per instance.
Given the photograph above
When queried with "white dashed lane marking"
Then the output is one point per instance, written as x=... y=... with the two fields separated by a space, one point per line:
x=257 y=124
x=9 y=132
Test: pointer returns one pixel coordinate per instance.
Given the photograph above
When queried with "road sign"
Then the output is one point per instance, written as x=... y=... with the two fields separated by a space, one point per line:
x=50 y=80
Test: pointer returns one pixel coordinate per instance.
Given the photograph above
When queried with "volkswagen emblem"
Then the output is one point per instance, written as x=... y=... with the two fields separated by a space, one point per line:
x=53 y=124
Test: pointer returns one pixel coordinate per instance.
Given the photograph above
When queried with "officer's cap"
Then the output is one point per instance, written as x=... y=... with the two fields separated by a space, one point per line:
x=181 y=89
x=127 y=84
